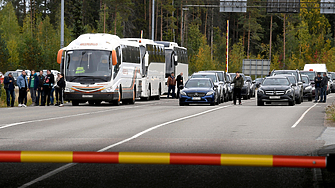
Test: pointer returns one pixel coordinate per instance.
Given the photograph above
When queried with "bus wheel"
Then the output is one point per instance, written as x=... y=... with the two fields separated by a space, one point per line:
x=132 y=101
x=75 y=103
x=91 y=103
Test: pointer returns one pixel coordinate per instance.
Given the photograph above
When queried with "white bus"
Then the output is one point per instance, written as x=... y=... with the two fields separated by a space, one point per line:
x=101 y=67
x=152 y=68
x=176 y=61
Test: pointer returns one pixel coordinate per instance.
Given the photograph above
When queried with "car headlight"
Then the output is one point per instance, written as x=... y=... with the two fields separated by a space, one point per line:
x=288 y=91
x=260 y=91
x=308 y=87
x=210 y=93
x=182 y=93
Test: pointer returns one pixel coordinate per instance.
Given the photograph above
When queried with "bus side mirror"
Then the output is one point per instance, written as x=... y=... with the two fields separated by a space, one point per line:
x=114 y=59
x=59 y=56
x=175 y=60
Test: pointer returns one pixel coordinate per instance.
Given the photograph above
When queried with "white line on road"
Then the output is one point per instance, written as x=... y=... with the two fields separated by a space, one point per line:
x=69 y=165
x=303 y=115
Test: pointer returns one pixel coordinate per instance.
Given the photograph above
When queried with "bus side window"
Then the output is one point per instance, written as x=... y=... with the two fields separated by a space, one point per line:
x=117 y=66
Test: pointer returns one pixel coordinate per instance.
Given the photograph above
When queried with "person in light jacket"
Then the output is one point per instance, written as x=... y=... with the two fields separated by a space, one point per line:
x=22 y=83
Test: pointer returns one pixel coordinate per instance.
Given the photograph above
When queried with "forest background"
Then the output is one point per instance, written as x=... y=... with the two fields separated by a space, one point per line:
x=30 y=31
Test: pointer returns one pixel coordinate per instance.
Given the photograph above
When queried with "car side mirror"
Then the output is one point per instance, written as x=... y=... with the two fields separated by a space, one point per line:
x=253 y=82
x=299 y=83
x=221 y=82
x=294 y=84
x=216 y=86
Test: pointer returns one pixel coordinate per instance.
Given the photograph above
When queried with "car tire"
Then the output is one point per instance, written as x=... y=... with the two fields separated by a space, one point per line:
x=181 y=104
x=291 y=103
x=245 y=97
x=298 y=101
x=75 y=103
x=310 y=98
x=260 y=103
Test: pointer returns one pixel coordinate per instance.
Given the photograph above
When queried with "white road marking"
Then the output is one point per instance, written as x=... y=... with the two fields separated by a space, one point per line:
x=74 y=115
x=303 y=115
x=69 y=165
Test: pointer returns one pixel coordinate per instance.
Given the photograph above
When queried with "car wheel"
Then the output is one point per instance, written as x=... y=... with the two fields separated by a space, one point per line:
x=260 y=103
x=181 y=104
x=302 y=99
x=245 y=97
x=291 y=103
x=310 y=98
x=298 y=101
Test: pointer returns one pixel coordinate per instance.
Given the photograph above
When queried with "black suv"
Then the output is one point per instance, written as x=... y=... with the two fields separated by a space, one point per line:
x=296 y=73
x=276 y=89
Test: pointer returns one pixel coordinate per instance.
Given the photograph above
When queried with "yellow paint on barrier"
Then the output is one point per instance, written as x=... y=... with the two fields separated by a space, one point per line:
x=144 y=158
x=246 y=160
x=47 y=156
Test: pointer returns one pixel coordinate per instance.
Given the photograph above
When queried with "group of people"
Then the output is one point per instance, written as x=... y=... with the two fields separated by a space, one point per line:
x=321 y=84
x=40 y=87
x=171 y=83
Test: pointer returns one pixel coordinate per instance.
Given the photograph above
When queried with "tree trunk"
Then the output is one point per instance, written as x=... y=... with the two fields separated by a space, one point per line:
x=284 y=38
x=161 y=21
x=145 y=10
x=206 y=24
x=270 y=39
x=248 y=51
x=150 y=8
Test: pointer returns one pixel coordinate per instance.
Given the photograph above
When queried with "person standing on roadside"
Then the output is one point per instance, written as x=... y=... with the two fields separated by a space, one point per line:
x=238 y=84
x=180 y=83
x=33 y=85
x=22 y=83
x=171 y=83
x=47 y=86
x=40 y=91
x=9 y=85
x=59 y=88
x=317 y=81
x=324 y=85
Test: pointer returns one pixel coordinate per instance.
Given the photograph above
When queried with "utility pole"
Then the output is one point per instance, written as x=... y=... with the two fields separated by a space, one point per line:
x=62 y=25
x=284 y=38
x=153 y=21
x=182 y=25
x=270 y=38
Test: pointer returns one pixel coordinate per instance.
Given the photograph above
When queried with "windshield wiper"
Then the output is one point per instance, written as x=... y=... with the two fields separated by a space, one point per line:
x=75 y=77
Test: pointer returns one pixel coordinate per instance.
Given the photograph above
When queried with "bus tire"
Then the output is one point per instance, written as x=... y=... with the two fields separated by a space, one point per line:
x=91 y=103
x=132 y=101
x=75 y=103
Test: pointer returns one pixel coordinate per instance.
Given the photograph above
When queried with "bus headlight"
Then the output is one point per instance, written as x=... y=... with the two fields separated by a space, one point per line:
x=68 y=90
x=107 y=90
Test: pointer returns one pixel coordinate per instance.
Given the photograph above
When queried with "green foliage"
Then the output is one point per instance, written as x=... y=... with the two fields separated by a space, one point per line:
x=236 y=56
x=4 y=56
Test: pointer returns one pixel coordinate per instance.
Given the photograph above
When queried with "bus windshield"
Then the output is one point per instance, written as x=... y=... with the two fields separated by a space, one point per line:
x=87 y=66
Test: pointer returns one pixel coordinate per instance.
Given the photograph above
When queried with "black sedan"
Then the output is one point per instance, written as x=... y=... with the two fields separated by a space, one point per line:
x=276 y=89
x=307 y=87
x=199 y=90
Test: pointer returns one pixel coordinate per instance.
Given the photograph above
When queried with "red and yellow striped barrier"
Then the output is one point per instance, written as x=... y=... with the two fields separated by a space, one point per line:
x=164 y=158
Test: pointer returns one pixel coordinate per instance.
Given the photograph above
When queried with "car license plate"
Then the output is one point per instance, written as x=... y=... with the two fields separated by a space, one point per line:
x=196 y=98
x=274 y=97
x=87 y=96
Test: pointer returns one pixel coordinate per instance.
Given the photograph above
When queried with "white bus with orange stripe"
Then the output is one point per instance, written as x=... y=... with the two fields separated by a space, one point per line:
x=152 y=68
x=101 y=67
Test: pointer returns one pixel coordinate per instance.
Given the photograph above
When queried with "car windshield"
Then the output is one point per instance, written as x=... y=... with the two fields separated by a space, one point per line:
x=287 y=72
x=88 y=65
x=305 y=79
x=198 y=83
x=276 y=81
x=211 y=76
x=310 y=74
x=258 y=80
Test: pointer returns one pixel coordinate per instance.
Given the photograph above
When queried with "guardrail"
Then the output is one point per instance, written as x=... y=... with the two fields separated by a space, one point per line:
x=169 y=158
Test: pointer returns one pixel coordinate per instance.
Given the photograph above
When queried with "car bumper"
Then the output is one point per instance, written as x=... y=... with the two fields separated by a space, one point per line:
x=244 y=91
x=278 y=98
x=205 y=99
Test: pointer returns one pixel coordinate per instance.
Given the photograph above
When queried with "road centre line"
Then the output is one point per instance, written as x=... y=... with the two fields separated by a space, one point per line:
x=62 y=168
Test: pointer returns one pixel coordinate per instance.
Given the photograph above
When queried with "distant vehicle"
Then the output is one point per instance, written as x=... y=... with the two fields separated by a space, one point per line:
x=307 y=87
x=276 y=89
x=245 y=91
x=223 y=82
x=215 y=80
x=331 y=83
x=296 y=73
x=316 y=67
x=252 y=86
x=199 y=90
x=1 y=77
x=299 y=93
x=14 y=74
x=258 y=82
x=229 y=86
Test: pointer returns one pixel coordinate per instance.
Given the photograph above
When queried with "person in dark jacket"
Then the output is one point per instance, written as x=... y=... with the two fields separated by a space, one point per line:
x=180 y=83
x=317 y=81
x=47 y=86
x=40 y=91
x=59 y=88
x=171 y=83
x=33 y=85
x=324 y=85
x=22 y=83
x=9 y=85
x=238 y=84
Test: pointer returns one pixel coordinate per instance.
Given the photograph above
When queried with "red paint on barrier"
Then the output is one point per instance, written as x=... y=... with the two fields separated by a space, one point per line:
x=10 y=156
x=195 y=159
x=299 y=161
x=95 y=157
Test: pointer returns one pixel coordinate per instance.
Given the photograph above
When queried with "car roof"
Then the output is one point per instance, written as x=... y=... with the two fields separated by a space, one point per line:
x=277 y=76
x=200 y=79
x=203 y=73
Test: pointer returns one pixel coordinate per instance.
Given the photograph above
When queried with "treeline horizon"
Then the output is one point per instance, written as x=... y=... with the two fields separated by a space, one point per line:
x=30 y=31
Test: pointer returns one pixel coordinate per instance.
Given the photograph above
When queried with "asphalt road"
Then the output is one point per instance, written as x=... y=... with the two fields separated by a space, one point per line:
x=163 y=126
